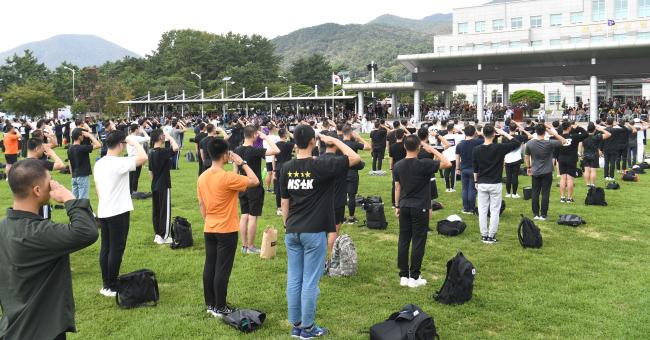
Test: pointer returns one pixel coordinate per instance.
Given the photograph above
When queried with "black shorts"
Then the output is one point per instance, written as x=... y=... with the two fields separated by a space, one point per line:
x=251 y=201
x=352 y=186
x=11 y=159
x=269 y=167
x=339 y=215
x=591 y=163
x=567 y=168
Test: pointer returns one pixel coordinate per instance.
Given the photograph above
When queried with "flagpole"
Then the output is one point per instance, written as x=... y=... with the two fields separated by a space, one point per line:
x=333 y=97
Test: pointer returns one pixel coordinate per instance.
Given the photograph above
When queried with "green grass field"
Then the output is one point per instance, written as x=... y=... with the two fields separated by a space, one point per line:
x=587 y=282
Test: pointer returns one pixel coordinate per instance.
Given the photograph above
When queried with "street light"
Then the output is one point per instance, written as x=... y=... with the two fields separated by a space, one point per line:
x=73 y=72
x=200 y=89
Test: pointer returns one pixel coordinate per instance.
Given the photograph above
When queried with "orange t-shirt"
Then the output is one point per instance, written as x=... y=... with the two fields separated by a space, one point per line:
x=219 y=191
x=11 y=143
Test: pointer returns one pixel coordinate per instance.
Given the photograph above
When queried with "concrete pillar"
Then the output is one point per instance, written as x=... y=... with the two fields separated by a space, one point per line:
x=393 y=109
x=447 y=98
x=609 y=89
x=593 y=101
x=506 y=94
x=360 y=100
x=416 y=105
x=479 y=101
x=570 y=95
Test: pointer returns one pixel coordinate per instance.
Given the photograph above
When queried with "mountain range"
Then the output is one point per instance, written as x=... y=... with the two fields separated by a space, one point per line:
x=348 y=47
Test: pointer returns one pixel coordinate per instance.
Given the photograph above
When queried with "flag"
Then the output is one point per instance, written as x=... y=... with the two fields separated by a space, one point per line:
x=336 y=80
x=611 y=22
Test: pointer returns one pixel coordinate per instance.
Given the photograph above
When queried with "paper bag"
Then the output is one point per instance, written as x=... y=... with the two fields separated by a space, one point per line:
x=269 y=243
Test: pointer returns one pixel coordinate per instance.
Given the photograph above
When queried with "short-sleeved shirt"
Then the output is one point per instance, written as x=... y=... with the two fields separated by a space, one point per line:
x=397 y=152
x=487 y=160
x=591 y=145
x=353 y=175
x=309 y=185
x=541 y=152
x=160 y=164
x=79 y=158
x=515 y=155
x=465 y=149
x=275 y=139
x=203 y=145
x=378 y=138
x=218 y=190
x=286 y=153
x=253 y=156
x=112 y=184
x=453 y=139
x=11 y=144
x=414 y=177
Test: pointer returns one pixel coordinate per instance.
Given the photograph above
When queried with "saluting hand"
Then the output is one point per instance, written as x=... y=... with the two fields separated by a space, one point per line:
x=59 y=193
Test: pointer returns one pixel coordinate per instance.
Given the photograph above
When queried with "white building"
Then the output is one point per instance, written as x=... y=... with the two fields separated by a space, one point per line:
x=548 y=24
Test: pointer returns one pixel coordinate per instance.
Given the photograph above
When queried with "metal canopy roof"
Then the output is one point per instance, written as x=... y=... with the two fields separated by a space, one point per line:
x=532 y=64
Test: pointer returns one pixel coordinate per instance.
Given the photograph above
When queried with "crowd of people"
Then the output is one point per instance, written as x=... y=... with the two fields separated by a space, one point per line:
x=312 y=167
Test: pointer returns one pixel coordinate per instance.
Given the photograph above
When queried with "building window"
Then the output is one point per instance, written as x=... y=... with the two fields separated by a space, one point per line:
x=555 y=42
x=576 y=18
x=576 y=40
x=620 y=37
x=597 y=39
x=462 y=28
x=554 y=98
x=479 y=26
x=441 y=49
x=643 y=36
x=597 y=10
x=536 y=43
x=536 y=21
x=620 y=9
x=556 y=19
x=644 y=8
x=515 y=44
x=516 y=23
x=498 y=25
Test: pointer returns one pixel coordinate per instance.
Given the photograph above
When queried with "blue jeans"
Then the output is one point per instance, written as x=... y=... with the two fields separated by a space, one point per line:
x=81 y=186
x=306 y=259
x=469 y=191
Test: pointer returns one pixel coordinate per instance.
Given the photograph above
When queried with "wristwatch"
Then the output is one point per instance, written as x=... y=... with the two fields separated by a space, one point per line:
x=244 y=163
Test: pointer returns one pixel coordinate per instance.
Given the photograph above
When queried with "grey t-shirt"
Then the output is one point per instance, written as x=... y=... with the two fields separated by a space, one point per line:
x=541 y=152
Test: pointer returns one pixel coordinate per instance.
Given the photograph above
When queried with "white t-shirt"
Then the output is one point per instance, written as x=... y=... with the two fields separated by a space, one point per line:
x=132 y=151
x=639 y=134
x=453 y=140
x=112 y=183
x=266 y=145
x=513 y=156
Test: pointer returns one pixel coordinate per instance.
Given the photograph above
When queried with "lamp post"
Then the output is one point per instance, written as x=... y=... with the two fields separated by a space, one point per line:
x=225 y=105
x=200 y=89
x=73 y=72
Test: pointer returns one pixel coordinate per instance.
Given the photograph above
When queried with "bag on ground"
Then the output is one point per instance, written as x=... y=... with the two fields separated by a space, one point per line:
x=136 y=289
x=528 y=193
x=450 y=228
x=595 y=196
x=245 y=320
x=375 y=216
x=630 y=176
x=435 y=205
x=529 y=234
x=410 y=323
x=269 y=243
x=644 y=165
x=578 y=173
x=613 y=186
x=571 y=220
x=189 y=156
x=459 y=282
x=181 y=233
x=3 y=176
x=344 y=257
x=638 y=170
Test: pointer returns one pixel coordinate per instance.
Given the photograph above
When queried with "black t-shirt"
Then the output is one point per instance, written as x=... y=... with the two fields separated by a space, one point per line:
x=465 y=149
x=397 y=152
x=353 y=174
x=391 y=137
x=617 y=141
x=47 y=164
x=414 y=177
x=203 y=145
x=487 y=160
x=160 y=164
x=254 y=157
x=309 y=185
x=197 y=139
x=286 y=153
x=339 y=184
x=569 y=153
x=378 y=138
x=79 y=158
x=590 y=146
x=24 y=131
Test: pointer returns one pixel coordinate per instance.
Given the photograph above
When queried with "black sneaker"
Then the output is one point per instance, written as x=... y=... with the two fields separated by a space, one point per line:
x=223 y=311
x=352 y=220
x=484 y=239
x=570 y=200
x=493 y=239
x=562 y=200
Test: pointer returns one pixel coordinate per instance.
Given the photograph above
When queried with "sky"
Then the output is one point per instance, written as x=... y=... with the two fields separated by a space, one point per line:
x=138 y=25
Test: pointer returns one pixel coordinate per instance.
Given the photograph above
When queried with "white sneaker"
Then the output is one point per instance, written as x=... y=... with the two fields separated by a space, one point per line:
x=413 y=283
x=508 y=196
x=279 y=212
x=536 y=218
x=403 y=281
x=167 y=240
x=107 y=292
x=515 y=196
x=542 y=218
x=452 y=190
x=158 y=240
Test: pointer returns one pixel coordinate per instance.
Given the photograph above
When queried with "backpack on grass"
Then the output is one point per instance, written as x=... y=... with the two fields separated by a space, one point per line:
x=245 y=320
x=459 y=282
x=630 y=176
x=181 y=233
x=638 y=170
x=529 y=234
x=595 y=196
x=136 y=289
x=410 y=323
x=375 y=216
x=613 y=186
x=571 y=220
x=189 y=156
x=450 y=228
x=344 y=257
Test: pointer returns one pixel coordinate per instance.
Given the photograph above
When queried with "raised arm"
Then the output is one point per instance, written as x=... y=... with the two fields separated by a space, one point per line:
x=366 y=145
x=444 y=162
x=141 y=155
x=353 y=157
x=95 y=143
x=273 y=149
x=58 y=163
x=253 y=181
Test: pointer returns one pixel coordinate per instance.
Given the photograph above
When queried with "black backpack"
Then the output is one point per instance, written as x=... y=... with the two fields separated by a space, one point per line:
x=529 y=234
x=630 y=176
x=189 y=156
x=181 y=233
x=613 y=186
x=245 y=320
x=3 y=176
x=501 y=210
x=571 y=220
x=644 y=165
x=451 y=228
x=638 y=170
x=596 y=196
x=435 y=205
x=410 y=323
x=375 y=216
x=528 y=193
x=136 y=289
x=578 y=173
x=459 y=282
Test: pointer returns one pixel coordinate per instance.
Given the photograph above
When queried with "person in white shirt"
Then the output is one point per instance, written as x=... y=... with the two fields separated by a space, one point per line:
x=270 y=160
x=141 y=137
x=453 y=137
x=508 y=114
x=488 y=115
x=641 y=128
x=115 y=205
x=541 y=115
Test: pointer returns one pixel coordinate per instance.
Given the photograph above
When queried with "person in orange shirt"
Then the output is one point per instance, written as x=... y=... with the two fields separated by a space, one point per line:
x=218 y=200
x=11 y=146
